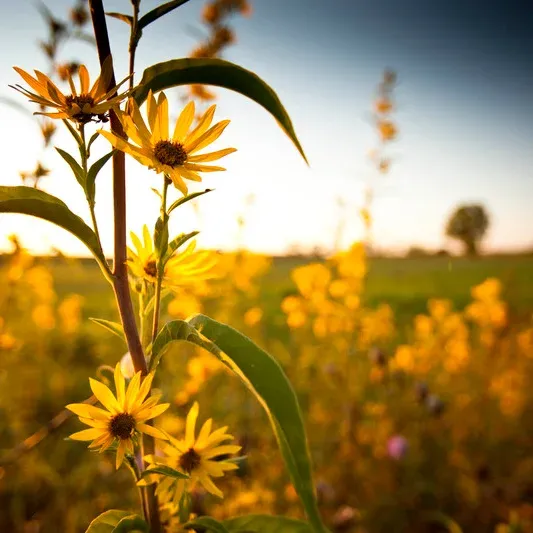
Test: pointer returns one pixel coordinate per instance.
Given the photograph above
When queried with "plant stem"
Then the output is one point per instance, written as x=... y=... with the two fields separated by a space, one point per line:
x=133 y=40
x=160 y=272
x=120 y=273
x=84 y=157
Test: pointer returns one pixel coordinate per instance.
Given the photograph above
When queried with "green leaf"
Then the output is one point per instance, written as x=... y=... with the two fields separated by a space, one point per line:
x=165 y=471
x=266 y=524
x=262 y=374
x=131 y=523
x=186 y=199
x=113 y=327
x=128 y=19
x=158 y=12
x=37 y=203
x=180 y=240
x=107 y=521
x=93 y=172
x=221 y=74
x=74 y=165
x=206 y=523
x=176 y=330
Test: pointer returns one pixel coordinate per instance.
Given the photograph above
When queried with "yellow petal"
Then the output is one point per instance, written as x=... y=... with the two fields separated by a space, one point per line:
x=145 y=387
x=32 y=82
x=204 y=432
x=88 y=411
x=121 y=451
x=84 y=79
x=202 y=126
x=151 y=108
x=177 y=180
x=152 y=431
x=147 y=414
x=221 y=450
x=131 y=393
x=209 y=486
x=189 y=175
x=86 y=434
x=210 y=136
x=184 y=122
x=102 y=424
x=202 y=168
x=211 y=156
x=123 y=146
x=105 y=396
x=120 y=384
x=190 y=424
x=160 y=131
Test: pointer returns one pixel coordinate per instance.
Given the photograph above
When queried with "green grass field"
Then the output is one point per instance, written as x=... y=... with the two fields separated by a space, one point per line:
x=405 y=284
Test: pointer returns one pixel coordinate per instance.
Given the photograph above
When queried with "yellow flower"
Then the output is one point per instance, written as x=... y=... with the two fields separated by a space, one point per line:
x=124 y=416
x=197 y=457
x=174 y=155
x=89 y=104
x=181 y=268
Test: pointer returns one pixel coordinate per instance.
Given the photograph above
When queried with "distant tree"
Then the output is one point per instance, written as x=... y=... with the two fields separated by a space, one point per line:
x=468 y=224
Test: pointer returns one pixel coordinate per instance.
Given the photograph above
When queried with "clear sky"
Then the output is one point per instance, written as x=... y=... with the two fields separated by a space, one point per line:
x=465 y=114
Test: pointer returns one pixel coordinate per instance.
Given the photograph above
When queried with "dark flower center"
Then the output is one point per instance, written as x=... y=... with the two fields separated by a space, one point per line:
x=190 y=460
x=150 y=268
x=80 y=100
x=122 y=425
x=170 y=153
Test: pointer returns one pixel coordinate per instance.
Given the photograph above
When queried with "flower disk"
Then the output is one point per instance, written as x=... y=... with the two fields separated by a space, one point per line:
x=173 y=155
x=124 y=416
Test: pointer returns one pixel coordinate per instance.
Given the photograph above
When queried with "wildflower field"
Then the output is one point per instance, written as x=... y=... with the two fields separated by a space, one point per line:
x=154 y=383
x=413 y=377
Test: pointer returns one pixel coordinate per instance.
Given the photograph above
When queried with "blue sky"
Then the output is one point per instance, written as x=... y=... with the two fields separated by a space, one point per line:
x=465 y=115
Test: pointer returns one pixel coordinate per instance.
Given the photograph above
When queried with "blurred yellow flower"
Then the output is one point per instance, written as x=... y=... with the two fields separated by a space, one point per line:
x=181 y=268
x=43 y=316
x=124 y=416
x=253 y=316
x=174 y=155
x=69 y=311
x=91 y=103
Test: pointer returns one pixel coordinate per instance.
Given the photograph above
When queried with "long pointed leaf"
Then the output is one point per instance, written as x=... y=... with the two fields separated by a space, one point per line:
x=185 y=199
x=79 y=174
x=262 y=374
x=37 y=203
x=220 y=73
x=159 y=11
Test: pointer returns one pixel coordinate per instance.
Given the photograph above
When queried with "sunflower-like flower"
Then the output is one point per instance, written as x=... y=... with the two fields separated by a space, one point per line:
x=181 y=268
x=124 y=417
x=91 y=103
x=174 y=155
x=200 y=457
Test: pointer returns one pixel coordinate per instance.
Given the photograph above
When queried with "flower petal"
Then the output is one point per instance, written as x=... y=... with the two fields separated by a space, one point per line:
x=211 y=156
x=88 y=411
x=152 y=431
x=120 y=384
x=210 y=136
x=184 y=122
x=105 y=396
x=190 y=424
x=86 y=434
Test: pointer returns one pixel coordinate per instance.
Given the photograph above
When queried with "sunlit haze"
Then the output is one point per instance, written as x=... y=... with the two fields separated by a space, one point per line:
x=464 y=114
